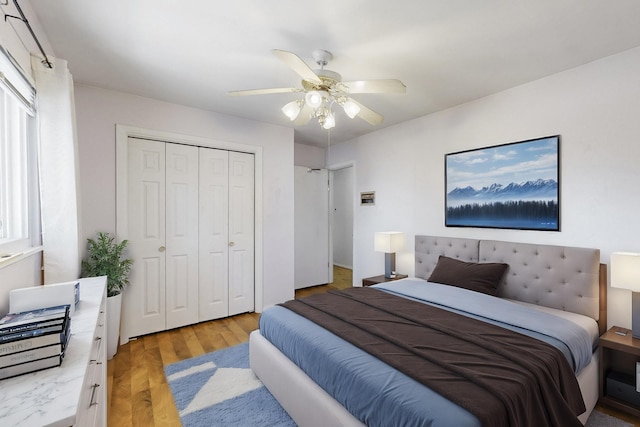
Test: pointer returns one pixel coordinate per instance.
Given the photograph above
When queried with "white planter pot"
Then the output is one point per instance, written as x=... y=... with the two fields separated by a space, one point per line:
x=114 y=305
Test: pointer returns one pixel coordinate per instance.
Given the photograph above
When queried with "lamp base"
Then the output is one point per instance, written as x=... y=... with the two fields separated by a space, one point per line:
x=390 y=265
x=635 y=314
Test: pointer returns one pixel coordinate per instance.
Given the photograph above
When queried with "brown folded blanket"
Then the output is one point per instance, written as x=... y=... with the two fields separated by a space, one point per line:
x=502 y=377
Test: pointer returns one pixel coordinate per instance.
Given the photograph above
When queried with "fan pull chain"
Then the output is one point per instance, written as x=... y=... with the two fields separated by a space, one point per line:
x=328 y=158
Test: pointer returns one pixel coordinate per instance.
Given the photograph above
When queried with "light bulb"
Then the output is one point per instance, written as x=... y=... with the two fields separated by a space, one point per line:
x=292 y=110
x=351 y=108
x=329 y=121
x=313 y=99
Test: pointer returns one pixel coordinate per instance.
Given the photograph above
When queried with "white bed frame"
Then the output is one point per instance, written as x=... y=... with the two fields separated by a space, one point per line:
x=565 y=278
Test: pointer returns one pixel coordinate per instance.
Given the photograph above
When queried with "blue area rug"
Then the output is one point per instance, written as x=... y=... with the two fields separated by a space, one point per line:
x=598 y=419
x=219 y=389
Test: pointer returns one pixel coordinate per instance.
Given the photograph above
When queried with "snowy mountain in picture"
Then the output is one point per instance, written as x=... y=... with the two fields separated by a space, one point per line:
x=541 y=189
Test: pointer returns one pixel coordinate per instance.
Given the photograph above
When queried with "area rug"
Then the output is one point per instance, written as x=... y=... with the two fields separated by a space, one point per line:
x=219 y=389
x=598 y=419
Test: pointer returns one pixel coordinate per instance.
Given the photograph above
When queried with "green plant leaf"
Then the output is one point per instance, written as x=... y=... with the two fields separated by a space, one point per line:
x=105 y=259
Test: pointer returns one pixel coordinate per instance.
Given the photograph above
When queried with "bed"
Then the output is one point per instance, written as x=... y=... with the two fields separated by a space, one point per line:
x=317 y=375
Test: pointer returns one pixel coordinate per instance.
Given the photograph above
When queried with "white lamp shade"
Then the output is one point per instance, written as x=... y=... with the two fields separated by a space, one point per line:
x=625 y=270
x=291 y=110
x=329 y=121
x=351 y=108
x=389 y=241
x=313 y=99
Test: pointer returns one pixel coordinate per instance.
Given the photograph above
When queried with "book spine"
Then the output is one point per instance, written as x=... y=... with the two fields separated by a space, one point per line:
x=31 y=343
x=28 y=367
x=76 y=290
x=29 y=334
x=31 y=327
x=40 y=315
x=30 y=355
x=66 y=336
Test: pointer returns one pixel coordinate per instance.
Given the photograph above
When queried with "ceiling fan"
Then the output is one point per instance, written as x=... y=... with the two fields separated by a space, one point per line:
x=323 y=89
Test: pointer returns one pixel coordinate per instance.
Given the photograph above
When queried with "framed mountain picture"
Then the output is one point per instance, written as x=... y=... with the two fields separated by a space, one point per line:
x=513 y=185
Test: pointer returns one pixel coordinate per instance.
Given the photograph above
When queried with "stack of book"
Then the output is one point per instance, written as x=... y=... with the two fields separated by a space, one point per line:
x=33 y=340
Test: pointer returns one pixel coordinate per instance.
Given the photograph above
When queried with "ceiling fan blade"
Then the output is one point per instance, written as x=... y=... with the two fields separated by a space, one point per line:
x=263 y=91
x=298 y=65
x=367 y=114
x=306 y=113
x=376 y=86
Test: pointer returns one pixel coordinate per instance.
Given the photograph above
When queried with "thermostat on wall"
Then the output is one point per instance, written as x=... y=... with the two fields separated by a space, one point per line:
x=368 y=198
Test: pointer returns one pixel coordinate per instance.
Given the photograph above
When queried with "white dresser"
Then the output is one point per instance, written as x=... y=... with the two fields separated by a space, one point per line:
x=75 y=393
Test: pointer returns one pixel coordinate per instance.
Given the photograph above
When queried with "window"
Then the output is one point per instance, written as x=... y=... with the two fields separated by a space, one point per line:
x=19 y=217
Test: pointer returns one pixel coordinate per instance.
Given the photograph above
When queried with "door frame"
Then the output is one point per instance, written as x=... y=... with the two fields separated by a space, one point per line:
x=332 y=168
x=123 y=132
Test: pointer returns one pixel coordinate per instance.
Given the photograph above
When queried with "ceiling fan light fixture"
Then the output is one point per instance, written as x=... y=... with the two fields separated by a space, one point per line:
x=351 y=108
x=292 y=109
x=313 y=98
x=329 y=121
x=322 y=88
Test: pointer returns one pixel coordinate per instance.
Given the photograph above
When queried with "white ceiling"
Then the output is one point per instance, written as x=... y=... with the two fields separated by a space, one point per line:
x=447 y=52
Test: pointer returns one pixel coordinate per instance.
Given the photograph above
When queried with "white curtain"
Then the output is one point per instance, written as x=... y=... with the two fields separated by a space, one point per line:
x=58 y=156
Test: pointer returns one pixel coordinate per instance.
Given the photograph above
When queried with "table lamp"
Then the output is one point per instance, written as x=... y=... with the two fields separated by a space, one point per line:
x=625 y=274
x=389 y=242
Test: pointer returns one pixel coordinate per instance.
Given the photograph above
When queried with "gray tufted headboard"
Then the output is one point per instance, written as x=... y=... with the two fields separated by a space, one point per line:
x=429 y=249
x=561 y=277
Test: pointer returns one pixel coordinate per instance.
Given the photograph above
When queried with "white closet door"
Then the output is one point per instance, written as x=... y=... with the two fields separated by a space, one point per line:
x=145 y=296
x=191 y=233
x=181 y=235
x=214 y=234
x=241 y=233
x=311 y=227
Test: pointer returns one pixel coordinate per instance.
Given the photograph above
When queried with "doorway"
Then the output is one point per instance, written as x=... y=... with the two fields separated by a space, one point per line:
x=342 y=217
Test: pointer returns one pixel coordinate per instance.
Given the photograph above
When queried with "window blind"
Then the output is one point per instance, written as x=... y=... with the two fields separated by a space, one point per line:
x=15 y=82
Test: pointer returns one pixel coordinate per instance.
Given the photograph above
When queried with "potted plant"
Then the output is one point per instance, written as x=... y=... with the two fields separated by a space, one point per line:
x=106 y=259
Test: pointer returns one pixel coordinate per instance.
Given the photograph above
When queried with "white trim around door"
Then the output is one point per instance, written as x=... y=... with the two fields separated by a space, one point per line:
x=332 y=168
x=124 y=132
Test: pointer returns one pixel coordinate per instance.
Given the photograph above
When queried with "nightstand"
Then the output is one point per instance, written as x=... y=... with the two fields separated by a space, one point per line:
x=381 y=279
x=618 y=357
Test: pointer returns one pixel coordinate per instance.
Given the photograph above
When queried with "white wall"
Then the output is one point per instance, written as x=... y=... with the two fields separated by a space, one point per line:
x=595 y=108
x=99 y=110
x=308 y=155
x=21 y=274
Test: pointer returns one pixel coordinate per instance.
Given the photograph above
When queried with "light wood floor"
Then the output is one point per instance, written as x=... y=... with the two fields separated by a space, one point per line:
x=137 y=390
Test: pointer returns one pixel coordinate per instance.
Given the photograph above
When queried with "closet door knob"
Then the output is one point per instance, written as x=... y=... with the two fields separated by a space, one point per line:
x=161 y=249
x=231 y=244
